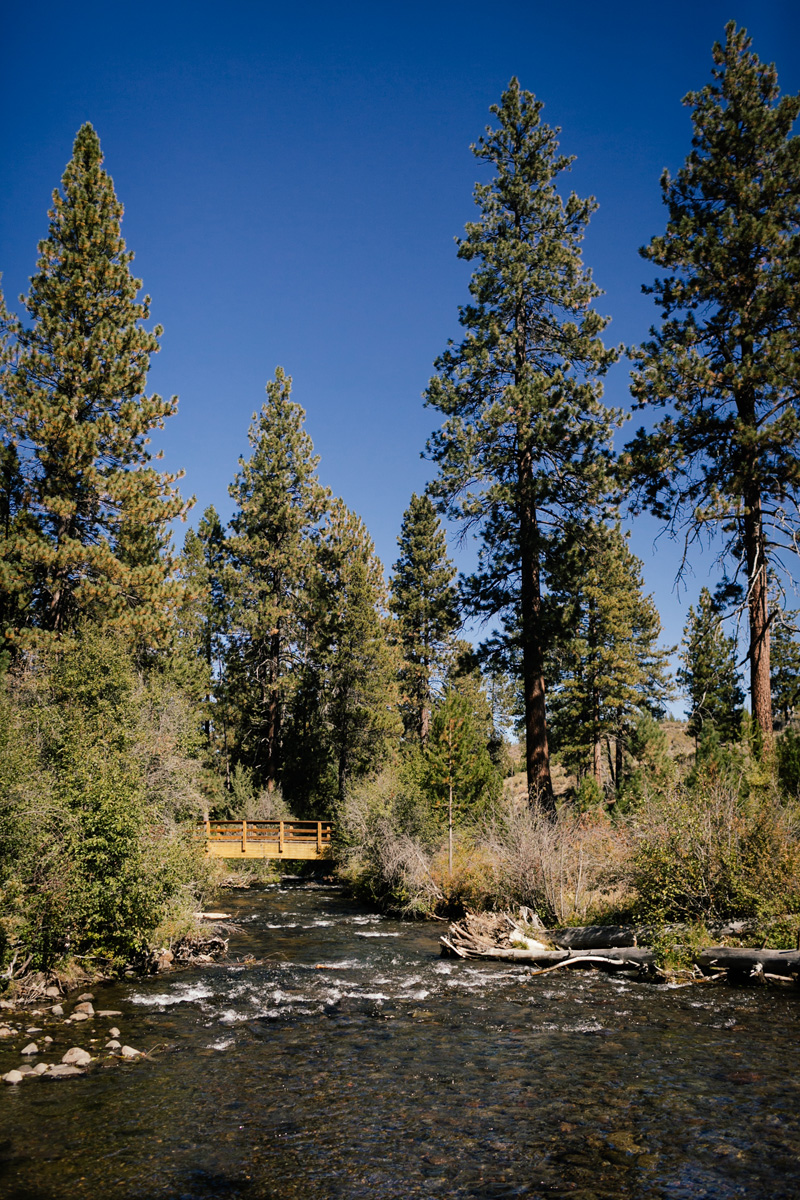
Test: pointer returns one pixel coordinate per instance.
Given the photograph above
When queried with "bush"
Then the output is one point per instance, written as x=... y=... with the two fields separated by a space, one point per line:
x=99 y=803
x=708 y=851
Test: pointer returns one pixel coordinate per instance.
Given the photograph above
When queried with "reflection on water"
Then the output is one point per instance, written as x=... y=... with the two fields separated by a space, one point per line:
x=354 y=1062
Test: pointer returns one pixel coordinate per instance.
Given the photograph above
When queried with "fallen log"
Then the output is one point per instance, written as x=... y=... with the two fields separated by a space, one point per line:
x=785 y=963
x=633 y=956
x=499 y=936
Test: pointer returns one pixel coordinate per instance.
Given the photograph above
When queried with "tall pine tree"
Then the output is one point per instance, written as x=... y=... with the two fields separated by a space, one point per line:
x=88 y=538
x=709 y=674
x=525 y=441
x=726 y=359
x=280 y=504
x=356 y=666
x=424 y=602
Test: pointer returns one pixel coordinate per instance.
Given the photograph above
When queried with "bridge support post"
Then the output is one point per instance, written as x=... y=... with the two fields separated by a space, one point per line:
x=319 y=838
x=244 y=837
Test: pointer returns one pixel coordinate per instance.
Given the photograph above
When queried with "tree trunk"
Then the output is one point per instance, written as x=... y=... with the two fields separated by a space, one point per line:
x=758 y=611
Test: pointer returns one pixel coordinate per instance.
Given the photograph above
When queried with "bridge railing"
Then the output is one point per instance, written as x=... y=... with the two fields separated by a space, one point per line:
x=283 y=834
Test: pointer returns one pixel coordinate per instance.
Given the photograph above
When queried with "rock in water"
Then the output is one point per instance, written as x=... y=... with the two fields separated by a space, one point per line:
x=85 y=1007
x=129 y=1052
x=76 y=1057
x=31 y=1048
x=57 y=1010
x=113 y=1045
x=12 y=1077
x=40 y=1068
x=113 y=1031
x=87 y=996
x=61 y=1070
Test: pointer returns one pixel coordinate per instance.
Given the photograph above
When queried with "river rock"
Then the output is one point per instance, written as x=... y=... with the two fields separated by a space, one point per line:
x=129 y=1052
x=61 y=1070
x=6 y=1004
x=12 y=1077
x=79 y=1016
x=31 y=1048
x=87 y=996
x=108 y=1012
x=52 y=991
x=86 y=1007
x=113 y=1045
x=40 y=1068
x=6 y=1031
x=113 y=1031
x=77 y=1057
x=47 y=1039
x=33 y=1029
x=57 y=1010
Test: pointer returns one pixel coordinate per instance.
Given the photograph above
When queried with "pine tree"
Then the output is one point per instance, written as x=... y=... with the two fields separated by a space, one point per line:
x=726 y=359
x=709 y=674
x=280 y=504
x=458 y=774
x=362 y=709
x=345 y=719
x=785 y=664
x=425 y=606
x=525 y=441
x=608 y=670
x=89 y=539
x=204 y=628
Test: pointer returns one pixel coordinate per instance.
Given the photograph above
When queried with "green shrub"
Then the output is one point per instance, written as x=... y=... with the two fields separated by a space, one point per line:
x=708 y=851
x=99 y=803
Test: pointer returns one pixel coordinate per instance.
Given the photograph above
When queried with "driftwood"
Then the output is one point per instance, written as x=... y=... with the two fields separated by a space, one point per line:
x=500 y=936
x=522 y=940
x=785 y=963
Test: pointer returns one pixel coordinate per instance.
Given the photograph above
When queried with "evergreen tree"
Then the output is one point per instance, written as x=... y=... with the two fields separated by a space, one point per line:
x=525 y=440
x=726 y=359
x=709 y=674
x=88 y=530
x=424 y=604
x=345 y=718
x=608 y=671
x=458 y=774
x=204 y=628
x=785 y=665
x=280 y=504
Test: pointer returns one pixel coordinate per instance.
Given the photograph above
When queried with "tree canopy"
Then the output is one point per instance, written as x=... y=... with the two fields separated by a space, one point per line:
x=725 y=460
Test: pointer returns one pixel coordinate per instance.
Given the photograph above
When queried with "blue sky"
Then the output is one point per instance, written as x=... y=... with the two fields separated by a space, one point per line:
x=294 y=176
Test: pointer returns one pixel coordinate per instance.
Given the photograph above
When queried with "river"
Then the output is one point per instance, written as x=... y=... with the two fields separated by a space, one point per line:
x=354 y=1062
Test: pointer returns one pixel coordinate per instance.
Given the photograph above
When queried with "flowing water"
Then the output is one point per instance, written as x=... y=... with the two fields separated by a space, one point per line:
x=354 y=1062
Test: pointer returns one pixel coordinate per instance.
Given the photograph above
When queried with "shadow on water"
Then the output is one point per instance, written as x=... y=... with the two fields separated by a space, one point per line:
x=355 y=1063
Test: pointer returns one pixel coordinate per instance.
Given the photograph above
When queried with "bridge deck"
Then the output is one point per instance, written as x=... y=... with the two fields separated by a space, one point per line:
x=268 y=839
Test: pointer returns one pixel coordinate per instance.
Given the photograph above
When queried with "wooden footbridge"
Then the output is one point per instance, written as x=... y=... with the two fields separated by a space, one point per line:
x=268 y=839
